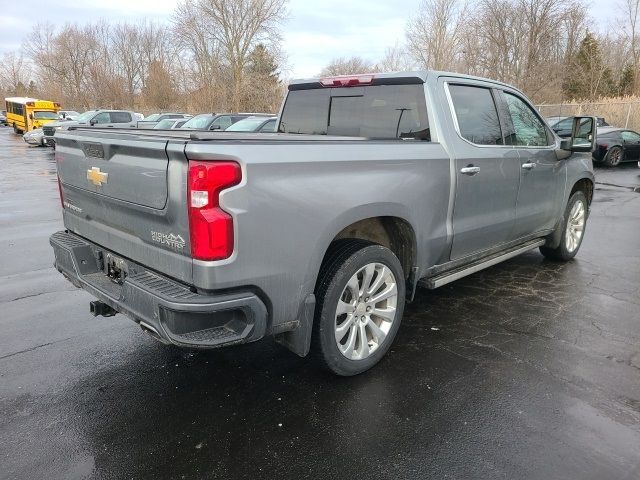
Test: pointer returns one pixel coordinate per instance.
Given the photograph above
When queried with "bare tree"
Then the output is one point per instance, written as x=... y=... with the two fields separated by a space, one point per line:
x=631 y=12
x=395 y=59
x=433 y=36
x=15 y=74
x=65 y=58
x=232 y=30
x=347 y=66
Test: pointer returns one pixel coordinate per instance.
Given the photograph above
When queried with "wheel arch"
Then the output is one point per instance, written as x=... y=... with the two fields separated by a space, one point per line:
x=384 y=224
x=392 y=232
x=585 y=184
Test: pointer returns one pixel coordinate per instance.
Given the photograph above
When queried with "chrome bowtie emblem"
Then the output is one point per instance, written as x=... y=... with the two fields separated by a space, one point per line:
x=95 y=176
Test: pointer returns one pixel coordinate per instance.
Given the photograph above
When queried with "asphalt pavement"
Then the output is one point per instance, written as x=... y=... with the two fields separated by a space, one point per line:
x=527 y=370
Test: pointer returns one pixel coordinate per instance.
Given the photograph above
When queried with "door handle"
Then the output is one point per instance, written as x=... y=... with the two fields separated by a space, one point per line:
x=470 y=170
x=528 y=166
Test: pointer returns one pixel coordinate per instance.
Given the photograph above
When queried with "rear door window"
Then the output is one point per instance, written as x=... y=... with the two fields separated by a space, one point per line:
x=120 y=117
x=476 y=114
x=379 y=111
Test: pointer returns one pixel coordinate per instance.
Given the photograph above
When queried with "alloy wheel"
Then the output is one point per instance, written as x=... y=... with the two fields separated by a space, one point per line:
x=366 y=311
x=575 y=226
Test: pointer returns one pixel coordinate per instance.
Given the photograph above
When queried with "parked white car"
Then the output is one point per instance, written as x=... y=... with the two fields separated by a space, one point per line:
x=68 y=115
x=34 y=137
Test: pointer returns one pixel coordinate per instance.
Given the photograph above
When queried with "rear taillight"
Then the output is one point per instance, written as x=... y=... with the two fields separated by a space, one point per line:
x=58 y=161
x=211 y=228
x=60 y=192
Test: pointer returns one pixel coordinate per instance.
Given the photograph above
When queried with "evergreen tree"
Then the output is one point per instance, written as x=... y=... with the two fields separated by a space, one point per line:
x=626 y=81
x=262 y=91
x=262 y=63
x=588 y=76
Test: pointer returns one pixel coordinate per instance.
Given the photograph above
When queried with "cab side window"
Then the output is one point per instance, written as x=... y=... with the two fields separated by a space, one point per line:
x=528 y=129
x=120 y=117
x=270 y=126
x=628 y=136
x=476 y=114
x=102 y=118
x=223 y=122
x=566 y=124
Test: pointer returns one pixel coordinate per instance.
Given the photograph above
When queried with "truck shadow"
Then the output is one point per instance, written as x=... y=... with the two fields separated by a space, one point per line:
x=256 y=409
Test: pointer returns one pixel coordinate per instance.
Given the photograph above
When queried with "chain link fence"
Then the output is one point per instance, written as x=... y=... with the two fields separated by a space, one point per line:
x=618 y=113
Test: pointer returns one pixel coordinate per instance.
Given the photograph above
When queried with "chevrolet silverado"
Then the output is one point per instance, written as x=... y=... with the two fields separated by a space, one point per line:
x=372 y=186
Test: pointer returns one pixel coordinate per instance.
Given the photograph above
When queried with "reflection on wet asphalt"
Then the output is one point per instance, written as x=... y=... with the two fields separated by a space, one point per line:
x=530 y=369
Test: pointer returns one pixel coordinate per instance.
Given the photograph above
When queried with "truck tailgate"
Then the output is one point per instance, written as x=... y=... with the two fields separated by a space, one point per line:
x=127 y=193
x=134 y=172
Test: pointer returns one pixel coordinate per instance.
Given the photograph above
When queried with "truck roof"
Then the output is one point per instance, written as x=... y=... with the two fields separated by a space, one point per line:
x=414 y=76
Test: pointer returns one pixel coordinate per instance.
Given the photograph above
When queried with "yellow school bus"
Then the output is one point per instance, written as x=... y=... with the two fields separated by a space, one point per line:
x=24 y=114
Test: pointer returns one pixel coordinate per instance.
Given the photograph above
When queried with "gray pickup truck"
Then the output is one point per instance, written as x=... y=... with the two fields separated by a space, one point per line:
x=317 y=234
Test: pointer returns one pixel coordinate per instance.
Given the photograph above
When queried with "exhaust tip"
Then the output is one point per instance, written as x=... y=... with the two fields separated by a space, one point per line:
x=153 y=333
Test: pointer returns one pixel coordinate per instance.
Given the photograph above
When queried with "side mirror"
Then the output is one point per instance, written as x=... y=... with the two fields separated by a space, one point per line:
x=215 y=127
x=93 y=121
x=583 y=135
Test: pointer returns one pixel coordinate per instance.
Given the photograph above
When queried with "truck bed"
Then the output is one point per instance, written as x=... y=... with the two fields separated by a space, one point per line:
x=197 y=135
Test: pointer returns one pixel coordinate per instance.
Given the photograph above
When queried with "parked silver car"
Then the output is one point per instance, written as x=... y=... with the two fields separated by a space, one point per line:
x=254 y=124
x=152 y=120
x=91 y=118
x=169 y=123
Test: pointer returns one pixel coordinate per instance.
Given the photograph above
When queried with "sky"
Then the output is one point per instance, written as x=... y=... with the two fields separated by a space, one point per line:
x=315 y=33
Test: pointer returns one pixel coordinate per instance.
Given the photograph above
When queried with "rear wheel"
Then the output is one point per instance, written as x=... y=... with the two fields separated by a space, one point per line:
x=360 y=301
x=575 y=222
x=613 y=157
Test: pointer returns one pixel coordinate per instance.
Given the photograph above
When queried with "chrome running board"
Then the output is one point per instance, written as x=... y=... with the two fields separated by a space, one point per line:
x=457 y=273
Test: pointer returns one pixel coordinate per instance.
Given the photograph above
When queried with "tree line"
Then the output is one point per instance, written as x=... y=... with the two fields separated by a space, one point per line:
x=213 y=55
x=216 y=55
x=547 y=48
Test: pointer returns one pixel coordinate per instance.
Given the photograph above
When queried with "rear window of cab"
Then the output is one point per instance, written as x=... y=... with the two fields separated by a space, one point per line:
x=378 y=111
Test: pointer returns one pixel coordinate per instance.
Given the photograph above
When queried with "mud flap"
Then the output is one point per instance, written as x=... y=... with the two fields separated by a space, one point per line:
x=299 y=339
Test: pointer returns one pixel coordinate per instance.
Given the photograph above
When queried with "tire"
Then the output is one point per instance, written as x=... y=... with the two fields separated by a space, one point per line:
x=614 y=156
x=378 y=273
x=569 y=244
x=15 y=129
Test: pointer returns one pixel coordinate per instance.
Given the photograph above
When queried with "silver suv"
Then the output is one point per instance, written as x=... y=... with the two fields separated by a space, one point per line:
x=98 y=118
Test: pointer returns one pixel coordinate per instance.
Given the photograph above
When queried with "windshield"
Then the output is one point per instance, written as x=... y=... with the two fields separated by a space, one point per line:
x=198 y=122
x=45 y=115
x=152 y=118
x=166 y=123
x=246 y=125
x=86 y=116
